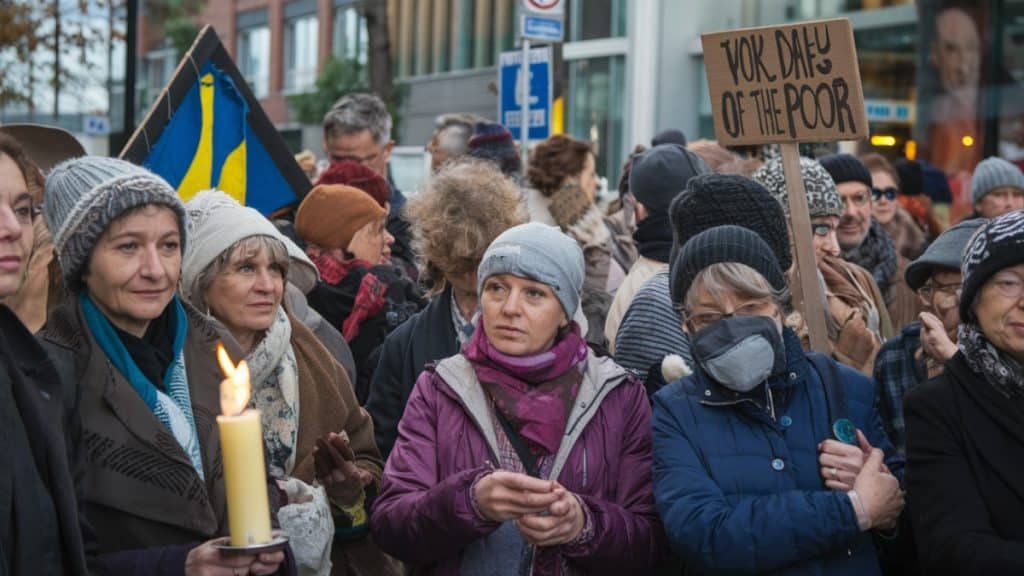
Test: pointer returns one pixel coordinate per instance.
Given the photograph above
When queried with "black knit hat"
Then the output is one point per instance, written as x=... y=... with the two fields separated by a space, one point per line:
x=493 y=142
x=998 y=244
x=911 y=176
x=670 y=136
x=846 y=168
x=721 y=199
x=719 y=245
x=660 y=174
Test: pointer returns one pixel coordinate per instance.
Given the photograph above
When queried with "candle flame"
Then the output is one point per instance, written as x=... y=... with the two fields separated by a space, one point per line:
x=234 y=389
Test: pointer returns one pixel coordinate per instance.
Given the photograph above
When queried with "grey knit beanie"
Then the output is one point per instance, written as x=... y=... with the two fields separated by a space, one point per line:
x=993 y=173
x=541 y=253
x=945 y=252
x=84 y=195
x=822 y=196
x=216 y=221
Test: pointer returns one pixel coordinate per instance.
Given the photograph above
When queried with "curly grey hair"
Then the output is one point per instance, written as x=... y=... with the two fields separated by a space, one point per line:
x=356 y=112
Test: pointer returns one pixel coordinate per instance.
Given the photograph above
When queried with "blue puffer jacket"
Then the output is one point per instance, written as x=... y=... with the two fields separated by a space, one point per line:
x=741 y=493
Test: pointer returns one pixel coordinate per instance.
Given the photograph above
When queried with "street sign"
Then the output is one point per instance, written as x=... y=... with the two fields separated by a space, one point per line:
x=96 y=125
x=542 y=20
x=510 y=90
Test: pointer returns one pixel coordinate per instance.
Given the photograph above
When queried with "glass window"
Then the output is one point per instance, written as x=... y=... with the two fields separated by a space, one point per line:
x=595 y=107
x=300 y=53
x=351 y=41
x=593 y=19
x=254 y=58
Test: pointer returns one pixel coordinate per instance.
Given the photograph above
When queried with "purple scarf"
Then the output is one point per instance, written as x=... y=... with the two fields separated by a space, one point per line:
x=535 y=393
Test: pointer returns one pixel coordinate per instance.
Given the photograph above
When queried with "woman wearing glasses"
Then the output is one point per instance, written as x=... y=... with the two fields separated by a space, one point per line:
x=922 y=348
x=759 y=463
x=965 y=429
x=908 y=237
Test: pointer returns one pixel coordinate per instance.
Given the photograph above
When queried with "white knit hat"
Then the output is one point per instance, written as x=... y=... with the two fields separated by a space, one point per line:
x=216 y=221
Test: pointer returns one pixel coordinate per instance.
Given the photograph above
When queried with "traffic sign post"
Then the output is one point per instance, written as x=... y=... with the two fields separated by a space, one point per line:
x=541 y=20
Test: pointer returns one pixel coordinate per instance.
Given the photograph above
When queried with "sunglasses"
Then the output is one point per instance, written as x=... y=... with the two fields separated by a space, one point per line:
x=889 y=193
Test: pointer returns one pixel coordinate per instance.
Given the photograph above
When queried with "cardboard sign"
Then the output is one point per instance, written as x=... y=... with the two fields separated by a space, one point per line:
x=792 y=83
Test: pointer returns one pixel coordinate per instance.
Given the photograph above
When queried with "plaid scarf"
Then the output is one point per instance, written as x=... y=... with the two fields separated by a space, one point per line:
x=369 y=298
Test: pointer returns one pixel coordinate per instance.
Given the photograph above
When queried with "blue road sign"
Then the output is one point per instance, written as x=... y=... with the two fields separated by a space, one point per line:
x=510 y=88
x=542 y=28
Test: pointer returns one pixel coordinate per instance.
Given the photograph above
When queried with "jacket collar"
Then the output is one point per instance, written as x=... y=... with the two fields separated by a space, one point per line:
x=602 y=376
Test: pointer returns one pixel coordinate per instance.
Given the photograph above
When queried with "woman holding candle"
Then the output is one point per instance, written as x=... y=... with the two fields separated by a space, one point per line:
x=140 y=375
x=235 y=269
x=534 y=454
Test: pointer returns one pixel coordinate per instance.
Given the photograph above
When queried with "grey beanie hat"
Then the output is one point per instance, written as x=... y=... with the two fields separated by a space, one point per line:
x=84 y=195
x=216 y=221
x=992 y=173
x=541 y=253
x=822 y=196
x=660 y=174
x=945 y=252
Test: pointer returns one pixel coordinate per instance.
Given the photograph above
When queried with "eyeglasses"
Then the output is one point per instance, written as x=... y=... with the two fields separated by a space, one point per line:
x=704 y=318
x=1009 y=286
x=889 y=193
x=822 y=230
x=364 y=160
x=940 y=295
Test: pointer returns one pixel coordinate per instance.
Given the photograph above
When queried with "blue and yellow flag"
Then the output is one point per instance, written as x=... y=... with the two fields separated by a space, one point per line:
x=208 y=131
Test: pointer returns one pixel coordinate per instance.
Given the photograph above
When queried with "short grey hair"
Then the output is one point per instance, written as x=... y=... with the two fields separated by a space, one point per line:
x=247 y=248
x=356 y=112
x=724 y=278
x=453 y=132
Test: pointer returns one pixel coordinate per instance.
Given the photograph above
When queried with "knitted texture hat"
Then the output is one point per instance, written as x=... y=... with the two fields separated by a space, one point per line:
x=718 y=245
x=993 y=173
x=945 y=252
x=911 y=176
x=670 y=136
x=660 y=174
x=541 y=253
x=718 y=199
x=846 y=168
x=493 y=142
x=330 y=215
x=998 y=244
x=354 y=174
x=84 y=195
x=822 y=197
x=216 y=221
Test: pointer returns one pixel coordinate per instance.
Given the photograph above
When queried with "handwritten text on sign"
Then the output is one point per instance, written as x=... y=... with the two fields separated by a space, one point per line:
x=791 y=83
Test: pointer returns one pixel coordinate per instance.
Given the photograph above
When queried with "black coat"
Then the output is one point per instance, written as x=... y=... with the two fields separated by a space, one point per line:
x=965 y=474
x=39 y=521
x=427 y=337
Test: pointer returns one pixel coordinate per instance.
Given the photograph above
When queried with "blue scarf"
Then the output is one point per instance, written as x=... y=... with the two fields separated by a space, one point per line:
x=173 y=409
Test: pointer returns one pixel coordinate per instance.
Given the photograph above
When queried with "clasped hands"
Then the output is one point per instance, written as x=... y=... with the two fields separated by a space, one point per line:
x=861 y=468
x=544 y=511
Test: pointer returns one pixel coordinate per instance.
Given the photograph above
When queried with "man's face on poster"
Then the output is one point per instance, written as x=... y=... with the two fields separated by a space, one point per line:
x=956 y=51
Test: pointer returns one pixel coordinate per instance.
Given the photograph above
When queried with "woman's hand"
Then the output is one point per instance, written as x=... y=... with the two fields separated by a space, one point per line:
x=563 y=522
x=841 y=463
x=880 y=492
x=205 y=560
x=503 y=495
x=336 y=470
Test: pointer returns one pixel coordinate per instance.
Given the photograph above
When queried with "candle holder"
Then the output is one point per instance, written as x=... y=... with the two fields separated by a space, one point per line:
x=279 y=542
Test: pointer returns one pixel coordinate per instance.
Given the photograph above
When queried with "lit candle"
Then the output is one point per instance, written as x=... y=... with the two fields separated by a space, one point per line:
x=241 y=444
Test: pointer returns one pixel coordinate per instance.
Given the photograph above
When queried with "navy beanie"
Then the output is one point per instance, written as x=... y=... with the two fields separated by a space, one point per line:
x=846 y=168
x=720 y=245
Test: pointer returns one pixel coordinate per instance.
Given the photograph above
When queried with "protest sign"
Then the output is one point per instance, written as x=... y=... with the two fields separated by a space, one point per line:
x=788 y=84
x=208 y=130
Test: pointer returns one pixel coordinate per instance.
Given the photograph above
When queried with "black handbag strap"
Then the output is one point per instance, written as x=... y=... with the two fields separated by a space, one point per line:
x=522 y=450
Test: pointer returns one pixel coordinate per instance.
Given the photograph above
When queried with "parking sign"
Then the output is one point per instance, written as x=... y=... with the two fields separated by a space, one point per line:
x=510 y=87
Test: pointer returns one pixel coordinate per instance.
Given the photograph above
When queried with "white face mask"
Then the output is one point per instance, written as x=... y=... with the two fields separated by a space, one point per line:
x=741 y=352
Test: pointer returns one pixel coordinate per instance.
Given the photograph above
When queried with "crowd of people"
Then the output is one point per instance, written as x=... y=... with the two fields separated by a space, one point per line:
x=505 y=374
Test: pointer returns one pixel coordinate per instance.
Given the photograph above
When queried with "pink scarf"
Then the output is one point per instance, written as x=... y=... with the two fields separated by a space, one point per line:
x=535 y=393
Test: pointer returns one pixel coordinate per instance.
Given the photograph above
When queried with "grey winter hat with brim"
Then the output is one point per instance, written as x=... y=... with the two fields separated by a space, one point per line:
x=541 y=253
x=84 y=195
x=946 y=252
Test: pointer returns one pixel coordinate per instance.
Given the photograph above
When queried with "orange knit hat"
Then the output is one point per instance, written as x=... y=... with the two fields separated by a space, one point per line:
x=330 y=215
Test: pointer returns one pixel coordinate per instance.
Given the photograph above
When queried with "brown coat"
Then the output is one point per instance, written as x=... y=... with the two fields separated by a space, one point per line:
x=904 y=305
x=139 y=489
x=327 y=403
x=906 y=235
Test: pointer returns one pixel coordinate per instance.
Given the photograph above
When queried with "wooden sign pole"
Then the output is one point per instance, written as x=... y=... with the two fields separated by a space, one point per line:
x=807 y=294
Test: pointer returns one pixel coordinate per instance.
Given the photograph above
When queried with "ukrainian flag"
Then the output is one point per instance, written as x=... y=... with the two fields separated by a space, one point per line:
x=208 y=142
